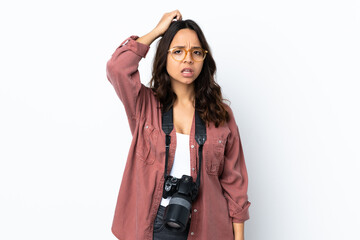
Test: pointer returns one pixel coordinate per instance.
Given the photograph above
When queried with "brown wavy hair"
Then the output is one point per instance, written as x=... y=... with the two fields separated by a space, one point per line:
x=208 y=98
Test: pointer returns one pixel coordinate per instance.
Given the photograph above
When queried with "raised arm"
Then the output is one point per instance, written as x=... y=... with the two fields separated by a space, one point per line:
x=122 y=68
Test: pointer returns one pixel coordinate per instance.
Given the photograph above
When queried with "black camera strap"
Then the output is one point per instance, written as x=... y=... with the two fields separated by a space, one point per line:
x=200 y=137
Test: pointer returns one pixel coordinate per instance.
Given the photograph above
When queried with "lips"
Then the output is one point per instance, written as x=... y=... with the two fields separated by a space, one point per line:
x=187 y=70
x=187 y=73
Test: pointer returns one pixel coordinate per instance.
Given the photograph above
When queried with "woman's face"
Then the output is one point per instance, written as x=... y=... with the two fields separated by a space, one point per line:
x=187 y=70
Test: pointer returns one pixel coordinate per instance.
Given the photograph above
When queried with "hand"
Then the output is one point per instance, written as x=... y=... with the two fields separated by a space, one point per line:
x=161 y=27
x=166 y=20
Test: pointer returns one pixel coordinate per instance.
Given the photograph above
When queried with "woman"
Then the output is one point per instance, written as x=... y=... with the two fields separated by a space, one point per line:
x=182 y=79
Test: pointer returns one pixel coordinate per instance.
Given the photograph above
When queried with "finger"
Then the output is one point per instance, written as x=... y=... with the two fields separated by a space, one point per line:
x=173 y=13
x=178 y=16
x=173 y=16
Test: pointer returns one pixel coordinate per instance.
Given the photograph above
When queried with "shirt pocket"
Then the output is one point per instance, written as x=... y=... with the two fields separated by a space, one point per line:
x=146 y=143
x=214 y=155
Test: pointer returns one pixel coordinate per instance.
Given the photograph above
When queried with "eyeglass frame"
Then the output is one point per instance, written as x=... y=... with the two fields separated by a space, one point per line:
x=186 y=52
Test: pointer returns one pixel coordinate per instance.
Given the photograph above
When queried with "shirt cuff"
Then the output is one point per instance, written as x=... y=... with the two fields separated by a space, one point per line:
x=138 y=48
x=242 y=215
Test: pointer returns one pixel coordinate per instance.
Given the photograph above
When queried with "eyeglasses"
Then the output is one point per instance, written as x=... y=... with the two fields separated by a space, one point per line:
x=196 y=54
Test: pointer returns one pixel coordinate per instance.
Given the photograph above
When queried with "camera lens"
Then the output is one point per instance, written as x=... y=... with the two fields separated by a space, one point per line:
x=177 y=213
x=173 y=225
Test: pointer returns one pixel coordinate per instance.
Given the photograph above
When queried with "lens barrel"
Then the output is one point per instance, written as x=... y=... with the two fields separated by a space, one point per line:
x=177 y=213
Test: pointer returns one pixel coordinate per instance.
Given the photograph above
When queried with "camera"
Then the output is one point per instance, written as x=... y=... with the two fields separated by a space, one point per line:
x=183 y=192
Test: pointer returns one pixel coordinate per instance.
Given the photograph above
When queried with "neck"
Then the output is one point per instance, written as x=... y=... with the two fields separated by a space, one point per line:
x=185 y=93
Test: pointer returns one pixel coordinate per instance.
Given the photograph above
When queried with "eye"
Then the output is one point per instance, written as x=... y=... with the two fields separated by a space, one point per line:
x=177 y=51
x=197 y=52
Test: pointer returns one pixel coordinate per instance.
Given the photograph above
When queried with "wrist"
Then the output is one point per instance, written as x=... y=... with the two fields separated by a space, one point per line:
x=238 y=237
x=156 y=33
x=148 y=38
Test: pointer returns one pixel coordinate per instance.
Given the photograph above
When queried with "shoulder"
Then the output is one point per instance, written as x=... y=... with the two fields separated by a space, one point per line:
x=230 y=112
x=232 y=124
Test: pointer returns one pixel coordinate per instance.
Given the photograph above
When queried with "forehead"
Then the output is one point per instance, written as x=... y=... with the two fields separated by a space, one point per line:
x=187 y=38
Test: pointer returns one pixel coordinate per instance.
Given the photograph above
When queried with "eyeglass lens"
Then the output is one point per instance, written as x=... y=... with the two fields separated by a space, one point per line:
x=196 y=54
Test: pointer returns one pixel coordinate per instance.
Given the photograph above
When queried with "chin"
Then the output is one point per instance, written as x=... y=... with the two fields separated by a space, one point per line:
x=183 y=80
x=188 y=81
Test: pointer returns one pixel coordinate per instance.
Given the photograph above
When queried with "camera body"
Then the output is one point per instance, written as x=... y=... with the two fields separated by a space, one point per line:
x=184 y=186
x=183 y=192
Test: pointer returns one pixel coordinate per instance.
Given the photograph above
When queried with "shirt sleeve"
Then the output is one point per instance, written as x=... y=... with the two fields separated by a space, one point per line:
x=122 y=72
x=234 y=178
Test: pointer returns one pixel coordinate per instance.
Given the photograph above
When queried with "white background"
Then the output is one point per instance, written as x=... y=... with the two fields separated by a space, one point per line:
x=289 y=68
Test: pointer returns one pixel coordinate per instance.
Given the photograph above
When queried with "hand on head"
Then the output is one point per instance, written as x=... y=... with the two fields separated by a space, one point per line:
x=166 y=20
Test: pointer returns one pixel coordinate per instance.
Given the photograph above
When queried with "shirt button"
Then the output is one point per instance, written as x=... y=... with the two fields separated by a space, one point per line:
x=193 y=169
x=219 y=141
x=192 y=146
x=195 y=210
x=192 y=233
x=147 y=126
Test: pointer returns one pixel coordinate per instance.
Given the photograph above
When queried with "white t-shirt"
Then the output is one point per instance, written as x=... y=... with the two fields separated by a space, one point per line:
x=181 y=165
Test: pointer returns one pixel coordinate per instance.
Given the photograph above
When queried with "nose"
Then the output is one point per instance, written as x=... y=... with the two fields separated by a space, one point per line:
x=188 y=57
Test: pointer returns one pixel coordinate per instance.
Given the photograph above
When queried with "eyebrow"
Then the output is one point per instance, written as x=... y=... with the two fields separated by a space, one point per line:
x=184 y=47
